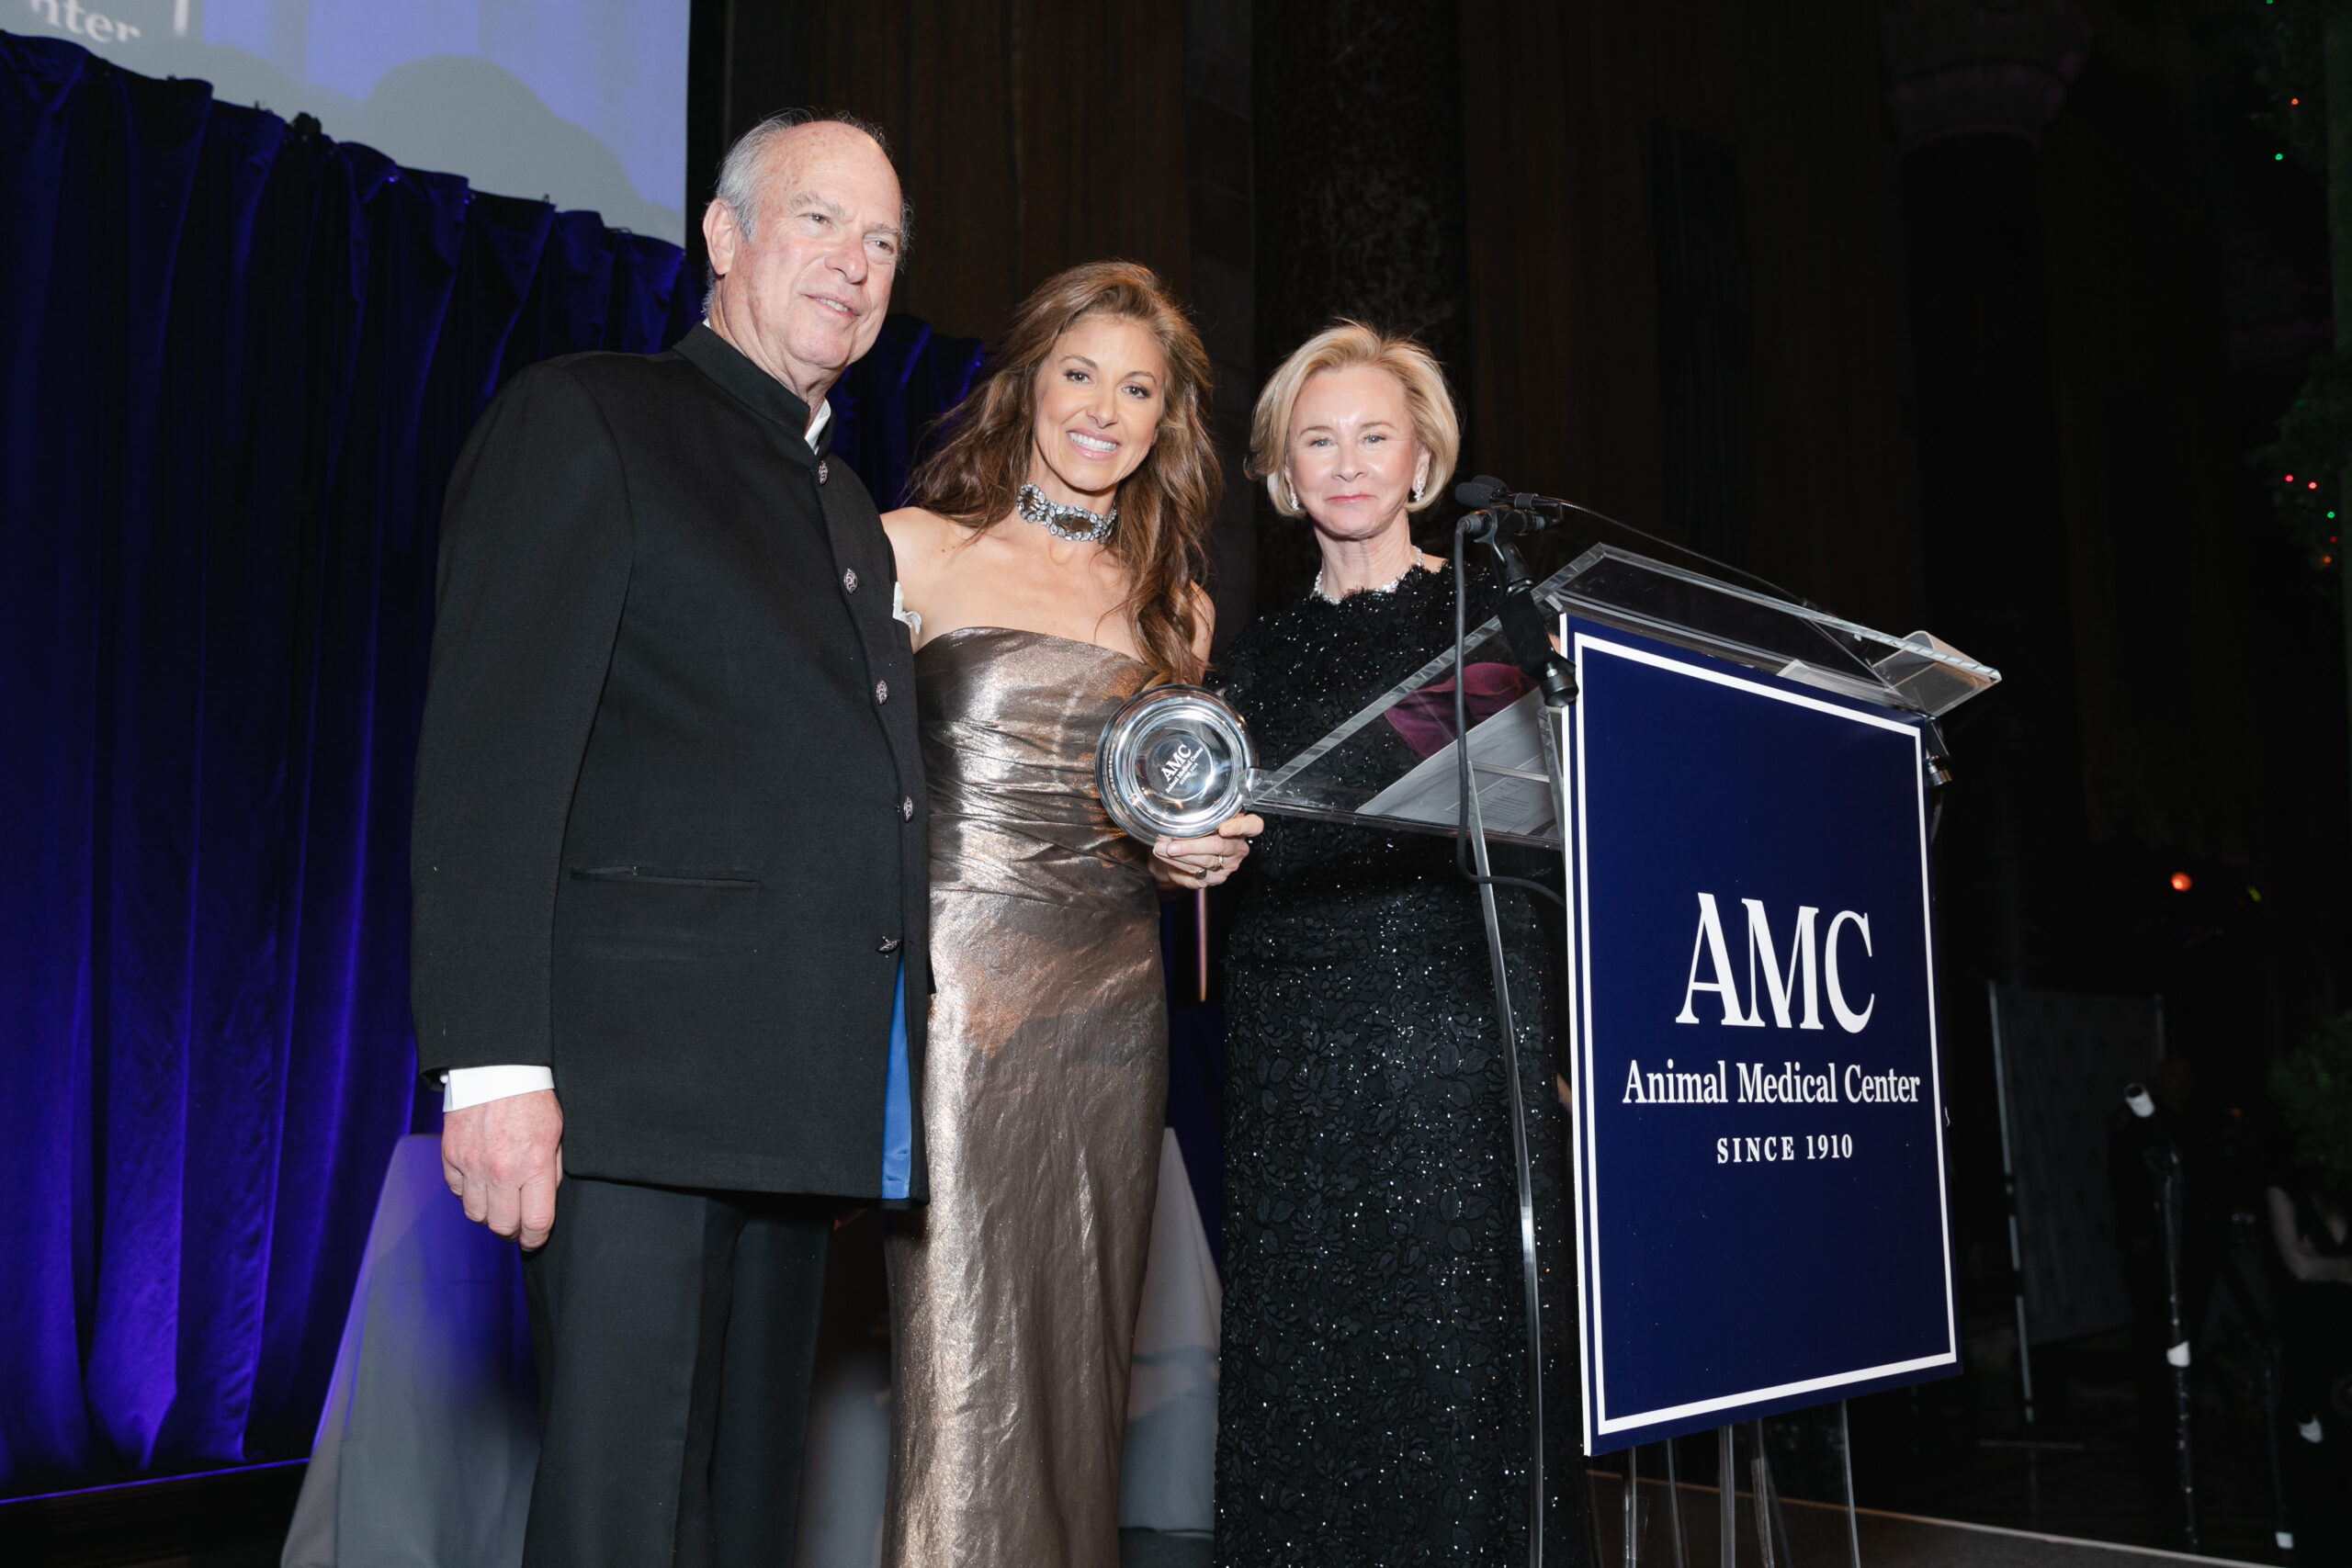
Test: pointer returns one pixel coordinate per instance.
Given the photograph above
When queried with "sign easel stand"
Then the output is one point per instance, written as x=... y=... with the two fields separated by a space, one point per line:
x=1846 y=1463
x=1674 y=1508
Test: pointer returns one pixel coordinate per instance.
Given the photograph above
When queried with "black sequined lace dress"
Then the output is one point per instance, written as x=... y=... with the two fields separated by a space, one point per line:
x=1372 y=1402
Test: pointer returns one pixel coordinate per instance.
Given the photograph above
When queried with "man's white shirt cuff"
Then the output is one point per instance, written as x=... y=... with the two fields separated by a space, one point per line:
x=461 y=1087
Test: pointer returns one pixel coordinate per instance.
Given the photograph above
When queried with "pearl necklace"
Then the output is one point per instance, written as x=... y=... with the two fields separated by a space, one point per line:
x=1074 y=524
x=1388 y=587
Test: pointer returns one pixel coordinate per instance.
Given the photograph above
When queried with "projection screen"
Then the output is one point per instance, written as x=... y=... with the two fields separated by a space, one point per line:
x=582 y=102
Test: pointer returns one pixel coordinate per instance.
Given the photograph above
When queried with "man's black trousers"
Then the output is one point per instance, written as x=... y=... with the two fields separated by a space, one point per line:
x=675 y=1332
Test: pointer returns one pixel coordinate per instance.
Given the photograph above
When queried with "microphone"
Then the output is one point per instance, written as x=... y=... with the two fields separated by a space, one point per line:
x=1500 y=514
x=1498 y=517
x=1479 y=493
x=1487 y=490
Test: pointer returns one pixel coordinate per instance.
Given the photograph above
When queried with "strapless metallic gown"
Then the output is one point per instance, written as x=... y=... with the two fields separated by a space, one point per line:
x=1013 y=1295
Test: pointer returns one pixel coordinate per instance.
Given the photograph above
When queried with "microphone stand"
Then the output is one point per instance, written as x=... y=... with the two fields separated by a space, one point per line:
x=1523 y=618
x=2161 y=1156
x=1531 y=650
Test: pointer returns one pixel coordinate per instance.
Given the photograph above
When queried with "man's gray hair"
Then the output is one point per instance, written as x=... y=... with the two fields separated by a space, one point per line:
x=740 y=173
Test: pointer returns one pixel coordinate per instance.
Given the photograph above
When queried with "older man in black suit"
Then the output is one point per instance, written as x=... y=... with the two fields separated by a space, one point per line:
x=669 y=867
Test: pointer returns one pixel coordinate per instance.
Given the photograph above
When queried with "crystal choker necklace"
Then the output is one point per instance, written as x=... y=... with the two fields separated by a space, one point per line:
x=1074 y=524
x=1388 y=587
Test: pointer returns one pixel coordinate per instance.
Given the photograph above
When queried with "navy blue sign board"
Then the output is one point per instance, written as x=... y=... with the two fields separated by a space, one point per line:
x=1761 y=1215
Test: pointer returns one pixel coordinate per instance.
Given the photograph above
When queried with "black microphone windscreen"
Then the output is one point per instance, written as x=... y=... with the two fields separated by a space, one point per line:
x=1480 y=491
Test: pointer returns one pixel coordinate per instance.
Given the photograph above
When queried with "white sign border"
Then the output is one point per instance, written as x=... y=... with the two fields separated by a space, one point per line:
x=1586 y=1168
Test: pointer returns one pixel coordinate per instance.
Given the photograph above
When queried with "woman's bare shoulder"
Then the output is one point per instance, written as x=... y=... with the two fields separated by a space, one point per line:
x=914 y=525
x=921 y=538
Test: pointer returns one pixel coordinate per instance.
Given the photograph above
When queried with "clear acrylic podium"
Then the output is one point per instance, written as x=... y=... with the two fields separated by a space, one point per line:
x=1396 y=765
x=1615 y=588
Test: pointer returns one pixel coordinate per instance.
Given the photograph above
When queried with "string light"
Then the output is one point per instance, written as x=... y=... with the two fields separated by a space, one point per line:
x=2180 y=882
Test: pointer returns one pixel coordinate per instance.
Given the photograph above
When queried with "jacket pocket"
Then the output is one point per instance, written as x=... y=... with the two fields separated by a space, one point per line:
x=659 y=876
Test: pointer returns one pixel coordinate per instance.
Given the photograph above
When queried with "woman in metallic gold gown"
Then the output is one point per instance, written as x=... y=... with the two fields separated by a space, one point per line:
x=1053 y=570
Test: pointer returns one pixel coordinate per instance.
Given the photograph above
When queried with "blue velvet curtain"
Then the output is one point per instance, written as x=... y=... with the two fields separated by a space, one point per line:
x=236 y=361
x=892 y=399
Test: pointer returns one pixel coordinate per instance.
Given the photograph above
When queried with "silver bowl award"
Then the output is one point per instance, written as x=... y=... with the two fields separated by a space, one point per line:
x=1175 y=760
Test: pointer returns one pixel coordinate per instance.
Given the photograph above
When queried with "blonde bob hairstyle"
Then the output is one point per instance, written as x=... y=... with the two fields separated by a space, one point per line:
x=1344 y=345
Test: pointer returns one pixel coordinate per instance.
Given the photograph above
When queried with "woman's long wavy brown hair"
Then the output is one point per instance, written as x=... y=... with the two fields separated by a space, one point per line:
x=1165 y=507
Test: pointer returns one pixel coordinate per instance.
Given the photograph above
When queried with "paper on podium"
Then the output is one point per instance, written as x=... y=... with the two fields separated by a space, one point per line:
x=1507 y=759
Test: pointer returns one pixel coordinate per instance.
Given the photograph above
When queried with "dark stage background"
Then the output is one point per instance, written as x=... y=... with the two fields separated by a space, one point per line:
x=1942 y=314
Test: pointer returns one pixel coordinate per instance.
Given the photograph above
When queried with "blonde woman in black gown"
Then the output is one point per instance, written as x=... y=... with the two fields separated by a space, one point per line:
x=1371 y=1397
x=1055 y=564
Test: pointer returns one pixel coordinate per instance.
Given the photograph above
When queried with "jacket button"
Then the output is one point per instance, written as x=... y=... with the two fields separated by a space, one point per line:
x=891 y=944
x=907 y=808
x=849 y=581
x=881 y=691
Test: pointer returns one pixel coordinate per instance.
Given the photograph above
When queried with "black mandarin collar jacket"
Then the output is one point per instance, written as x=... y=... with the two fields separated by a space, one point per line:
x=670 y=831
x=754 y=387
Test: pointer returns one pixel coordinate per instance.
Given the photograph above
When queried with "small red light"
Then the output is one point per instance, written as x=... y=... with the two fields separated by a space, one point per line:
x=2310 y=484
x=2292 y=102
x=2180 y=883
x=2291 y=479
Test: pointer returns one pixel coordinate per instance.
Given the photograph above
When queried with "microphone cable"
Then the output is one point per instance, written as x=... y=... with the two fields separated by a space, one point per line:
x=1461 y=735
x=1486 y=489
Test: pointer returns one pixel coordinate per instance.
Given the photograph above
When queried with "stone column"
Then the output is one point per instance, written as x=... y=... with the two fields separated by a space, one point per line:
x=1220 y=187
x=1360 y=202
x=745 y=59
x=2339 y=244
x=1970 y=85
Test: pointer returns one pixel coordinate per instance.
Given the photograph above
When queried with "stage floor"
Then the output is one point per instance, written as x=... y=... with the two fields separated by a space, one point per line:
x=1817 y=1537
x=1817 y=1534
